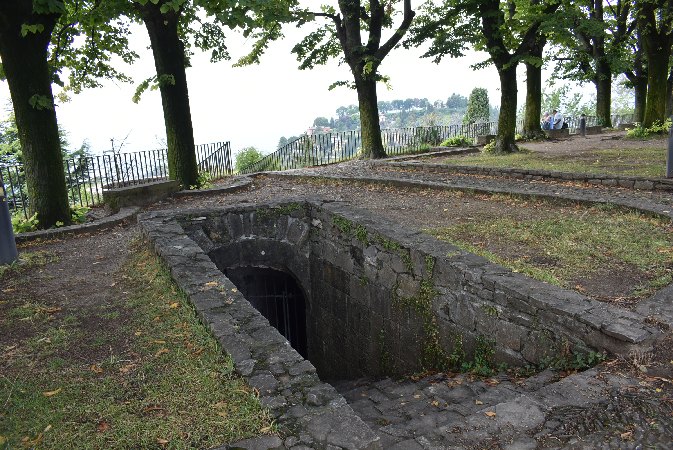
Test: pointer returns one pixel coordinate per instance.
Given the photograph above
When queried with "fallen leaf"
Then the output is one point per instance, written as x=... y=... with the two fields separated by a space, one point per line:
x=478 y=402
x=435 y=403
x=174 y=305
x=211 y=283
x=138 y=333
x=51 y=393
x=95 y=368
x=161 y=351
x=126 y=368
x=265 y=430
x=162 y=441
x=490 y=413
x=220 y=405
x=103 y=426
x=158 y=341
x=47 y=428
x=627 y=435
x=417 y=396
x=234 y=290
x=492 y=382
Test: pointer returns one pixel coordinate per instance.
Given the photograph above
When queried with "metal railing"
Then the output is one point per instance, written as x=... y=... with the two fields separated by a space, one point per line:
x=328 y=148
x=88 y=177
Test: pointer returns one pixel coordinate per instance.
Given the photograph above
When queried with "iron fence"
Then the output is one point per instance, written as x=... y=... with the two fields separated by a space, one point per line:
x=88 y=177
x=328 y=148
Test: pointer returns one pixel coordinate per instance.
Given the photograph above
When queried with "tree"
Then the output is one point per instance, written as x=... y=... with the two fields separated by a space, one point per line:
x=172 y=25
x=162 y=20
x=655 y=24
x=478 y=109
x=25 y=34
x=506 y=30
x=321 y=122
x=593 y=39
x=38 y=39
x=343 y=36
x=636 y=73
x=246 y=157
x=456 y=101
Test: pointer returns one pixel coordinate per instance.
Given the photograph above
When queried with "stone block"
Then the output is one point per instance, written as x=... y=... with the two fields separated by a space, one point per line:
x=139 y=195
x=563 y=133
x=485 y=139
x=596 y=129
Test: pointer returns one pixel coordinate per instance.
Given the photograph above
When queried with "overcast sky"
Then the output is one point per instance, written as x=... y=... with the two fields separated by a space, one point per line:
x=253 y=106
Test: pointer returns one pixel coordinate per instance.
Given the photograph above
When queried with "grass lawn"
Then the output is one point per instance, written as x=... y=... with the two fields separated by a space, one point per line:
x=159 y=380
x=622 y=254
x=645 y=162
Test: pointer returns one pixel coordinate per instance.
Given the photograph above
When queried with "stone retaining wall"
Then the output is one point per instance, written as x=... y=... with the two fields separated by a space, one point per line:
x=380 y=300
x=140 y=194
x=661 y=184
x=383 y=292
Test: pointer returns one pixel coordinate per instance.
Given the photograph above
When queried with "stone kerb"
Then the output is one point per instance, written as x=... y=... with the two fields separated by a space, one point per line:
x=310 y=413
x=631 y=182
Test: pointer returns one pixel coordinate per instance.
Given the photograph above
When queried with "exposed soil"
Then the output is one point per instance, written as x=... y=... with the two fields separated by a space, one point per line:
x=79 y=288
x=577 y=145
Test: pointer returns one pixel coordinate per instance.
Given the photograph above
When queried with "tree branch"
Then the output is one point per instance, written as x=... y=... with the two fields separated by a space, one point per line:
x=399 y=33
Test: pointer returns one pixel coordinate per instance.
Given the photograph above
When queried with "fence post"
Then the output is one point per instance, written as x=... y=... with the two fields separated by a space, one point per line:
x=8 y=253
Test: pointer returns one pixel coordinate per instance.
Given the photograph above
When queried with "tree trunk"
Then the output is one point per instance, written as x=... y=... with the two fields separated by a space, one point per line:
x=669 y=94
x=533 y=112
x=640 y=93
x=505 y=142
x=372 y=144
x=24 y=60
x=169 y=60
x=603 y=83
x=657 y=76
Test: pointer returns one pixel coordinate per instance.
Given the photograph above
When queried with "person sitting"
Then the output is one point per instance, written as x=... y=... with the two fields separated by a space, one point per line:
x=546 y=121
x=557 y=120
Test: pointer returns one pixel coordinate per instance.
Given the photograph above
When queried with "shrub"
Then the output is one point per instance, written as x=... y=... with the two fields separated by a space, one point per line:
x=246 y=157
x=456 y=141
x=657 y=128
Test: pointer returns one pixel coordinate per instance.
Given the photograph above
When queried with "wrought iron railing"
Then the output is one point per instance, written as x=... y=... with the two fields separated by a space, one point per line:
x=87 y=177
x=327 y=148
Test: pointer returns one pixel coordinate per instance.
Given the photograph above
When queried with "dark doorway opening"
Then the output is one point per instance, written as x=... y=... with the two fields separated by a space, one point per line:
x=278 y=297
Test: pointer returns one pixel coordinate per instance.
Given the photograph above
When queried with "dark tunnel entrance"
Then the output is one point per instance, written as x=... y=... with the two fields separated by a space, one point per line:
x=278 y=297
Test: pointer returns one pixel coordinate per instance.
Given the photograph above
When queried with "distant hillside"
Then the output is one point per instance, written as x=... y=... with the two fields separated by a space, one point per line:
x=412 y=112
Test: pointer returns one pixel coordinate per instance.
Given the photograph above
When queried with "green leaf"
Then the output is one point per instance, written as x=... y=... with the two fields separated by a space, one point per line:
x=40 y=102
x=34 y=29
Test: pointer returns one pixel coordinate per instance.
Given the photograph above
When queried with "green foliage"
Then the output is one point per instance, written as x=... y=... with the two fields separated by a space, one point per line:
x=489 y=148
x=20 y=224
x=457 y=141
x=344 y=225
x=482 y=363
x=78 y=213
x=569 y=359
x=40 y=102
x=657 y=129
x=247 y=157
x=478 y=108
